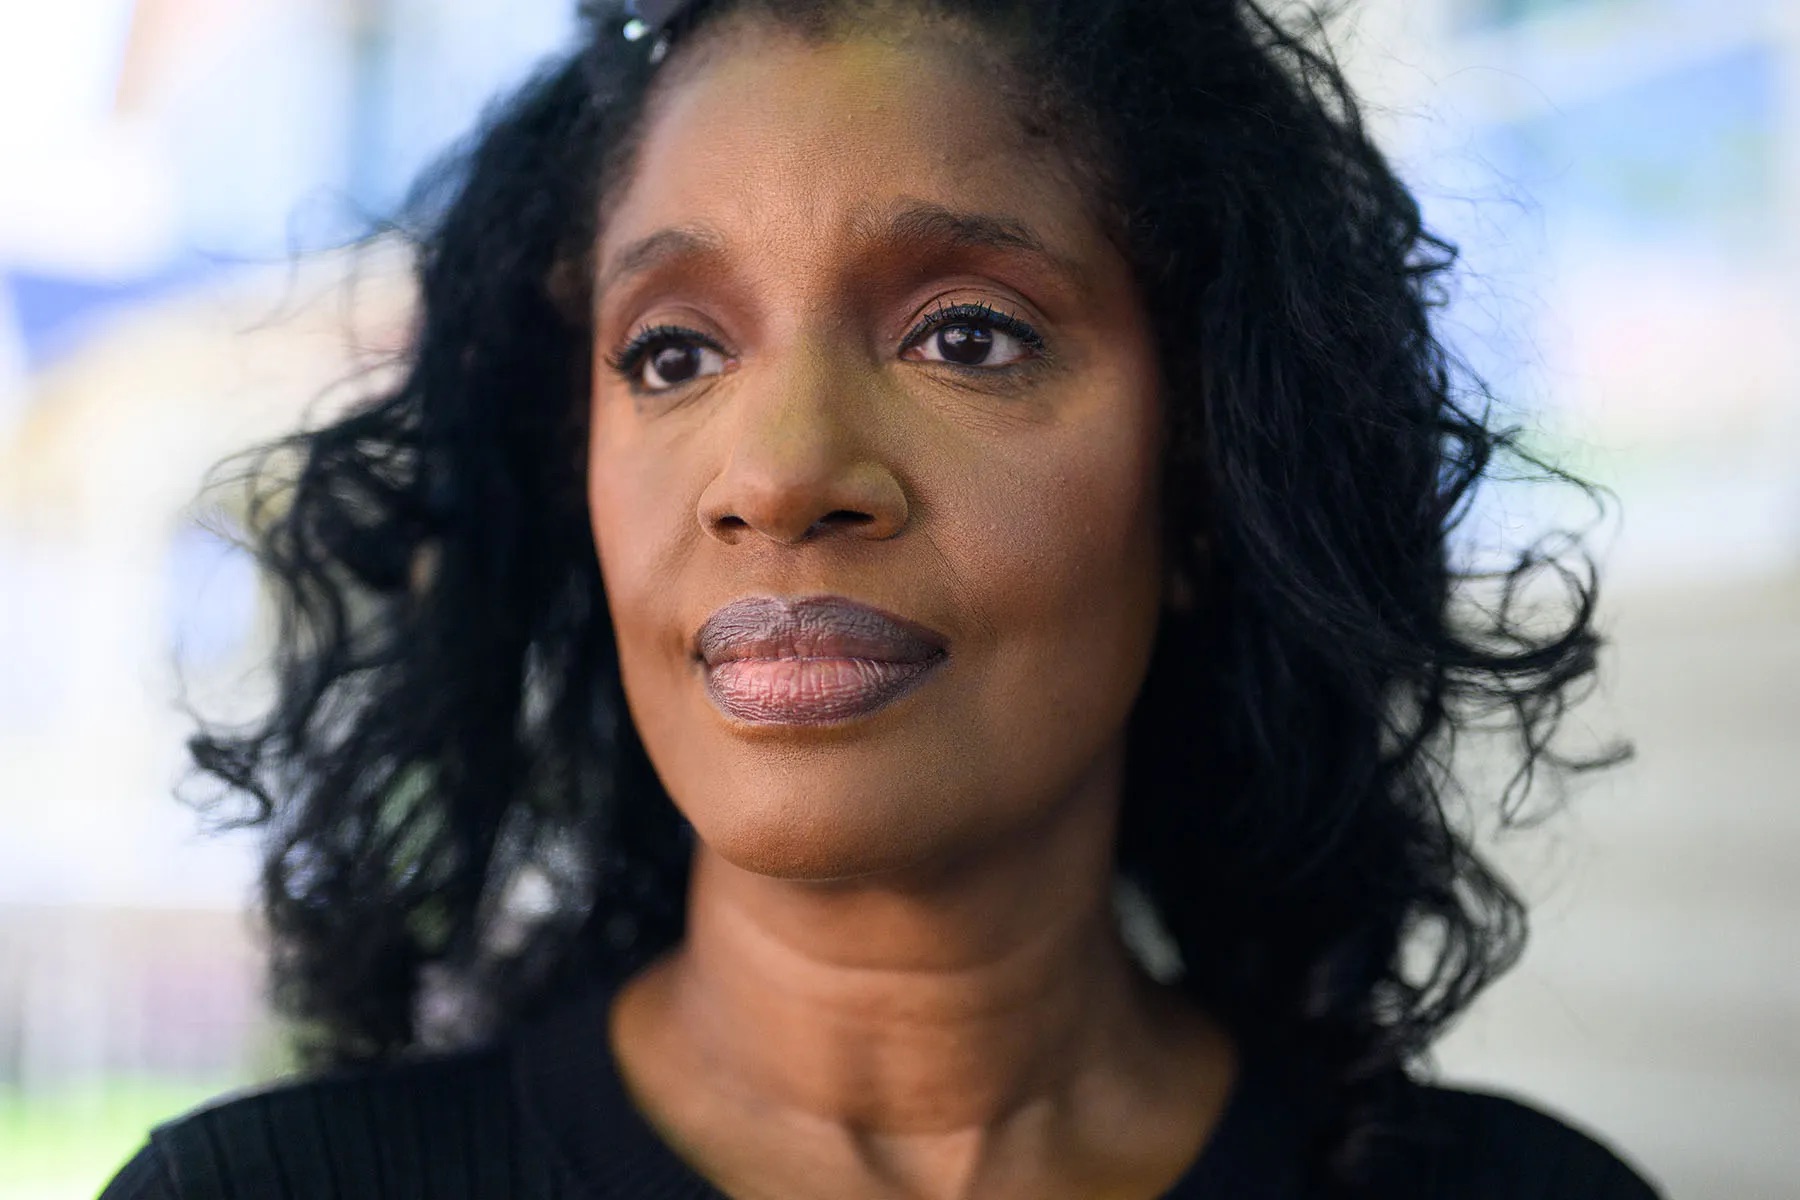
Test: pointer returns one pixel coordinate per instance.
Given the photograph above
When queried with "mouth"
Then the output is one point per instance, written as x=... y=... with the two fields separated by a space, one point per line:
x=819 y=660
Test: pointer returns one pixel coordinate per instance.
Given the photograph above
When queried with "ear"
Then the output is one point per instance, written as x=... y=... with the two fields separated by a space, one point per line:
x=1180 y=595
x=423 y=569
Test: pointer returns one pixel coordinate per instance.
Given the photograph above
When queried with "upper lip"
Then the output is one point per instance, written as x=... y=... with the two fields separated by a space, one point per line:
x=768 y=627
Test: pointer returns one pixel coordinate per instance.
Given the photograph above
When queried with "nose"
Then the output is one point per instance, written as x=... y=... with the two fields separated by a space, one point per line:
x=800 y=464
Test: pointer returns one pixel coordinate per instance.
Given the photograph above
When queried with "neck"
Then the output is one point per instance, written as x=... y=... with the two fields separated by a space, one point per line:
x=951 y=999
x=933 y=1034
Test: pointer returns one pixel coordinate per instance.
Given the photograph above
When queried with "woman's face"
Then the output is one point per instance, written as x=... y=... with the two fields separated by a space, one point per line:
x=884 y=355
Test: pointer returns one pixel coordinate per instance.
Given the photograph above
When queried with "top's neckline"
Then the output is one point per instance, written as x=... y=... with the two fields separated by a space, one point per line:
x=572 y=1094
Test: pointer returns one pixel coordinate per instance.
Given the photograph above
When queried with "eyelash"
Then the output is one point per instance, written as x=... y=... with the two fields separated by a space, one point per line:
x=628 y=360
x=978 y=313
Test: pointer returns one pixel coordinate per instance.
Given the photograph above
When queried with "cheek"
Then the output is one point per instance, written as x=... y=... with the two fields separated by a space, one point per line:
x=1087 y=580
x=1071 y=531
x=1059 y=552
x=640 y=535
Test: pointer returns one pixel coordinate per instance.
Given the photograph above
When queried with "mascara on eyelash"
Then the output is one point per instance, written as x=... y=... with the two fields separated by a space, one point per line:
x=948 y=315
x=630 y=356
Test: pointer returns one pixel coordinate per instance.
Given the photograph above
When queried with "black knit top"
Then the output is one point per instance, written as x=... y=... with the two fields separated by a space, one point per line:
x=543 y=1115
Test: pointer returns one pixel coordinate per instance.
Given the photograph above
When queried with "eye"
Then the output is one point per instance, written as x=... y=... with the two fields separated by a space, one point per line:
x=974 y=335
x=665 y=357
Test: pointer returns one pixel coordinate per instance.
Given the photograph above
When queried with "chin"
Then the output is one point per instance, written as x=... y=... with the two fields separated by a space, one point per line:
x=809 y=859
x=822 y=835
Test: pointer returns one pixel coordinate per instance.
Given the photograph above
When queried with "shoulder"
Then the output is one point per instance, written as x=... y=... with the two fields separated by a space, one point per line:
x=420 y=1128
x=1476 y=1145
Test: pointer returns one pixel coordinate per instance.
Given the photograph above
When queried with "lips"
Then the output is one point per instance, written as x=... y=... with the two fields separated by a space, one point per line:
x=813 y=661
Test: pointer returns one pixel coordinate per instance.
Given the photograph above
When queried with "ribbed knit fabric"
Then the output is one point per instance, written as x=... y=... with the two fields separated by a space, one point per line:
x=543 y=1115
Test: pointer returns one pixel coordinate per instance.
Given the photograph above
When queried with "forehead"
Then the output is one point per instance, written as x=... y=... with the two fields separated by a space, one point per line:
x=773 y=141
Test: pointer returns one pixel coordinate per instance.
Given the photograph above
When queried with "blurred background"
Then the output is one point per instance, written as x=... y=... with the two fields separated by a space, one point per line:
x=176 y=177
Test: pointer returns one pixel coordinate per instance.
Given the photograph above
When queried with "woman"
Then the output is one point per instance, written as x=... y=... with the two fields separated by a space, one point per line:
x=879 y=490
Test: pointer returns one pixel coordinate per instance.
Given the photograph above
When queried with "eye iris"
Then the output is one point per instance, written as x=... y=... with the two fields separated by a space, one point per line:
x=675 y=363
x=965 y=344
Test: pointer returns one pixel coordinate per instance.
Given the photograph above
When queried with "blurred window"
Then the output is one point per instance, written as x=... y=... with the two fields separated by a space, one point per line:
x=1686 y=154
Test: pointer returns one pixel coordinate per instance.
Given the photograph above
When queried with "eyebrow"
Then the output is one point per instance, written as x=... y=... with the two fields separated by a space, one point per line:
x=916 y=226
x=923 y=225
x=665 y=245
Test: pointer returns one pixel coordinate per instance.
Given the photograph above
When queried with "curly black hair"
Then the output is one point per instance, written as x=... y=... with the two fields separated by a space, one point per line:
x=454 y=794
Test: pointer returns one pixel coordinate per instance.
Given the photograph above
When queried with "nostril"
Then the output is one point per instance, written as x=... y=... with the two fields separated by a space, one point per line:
x=842 y=518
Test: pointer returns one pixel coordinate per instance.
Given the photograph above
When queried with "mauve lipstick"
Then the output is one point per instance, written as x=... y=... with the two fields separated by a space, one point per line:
x=812 y=661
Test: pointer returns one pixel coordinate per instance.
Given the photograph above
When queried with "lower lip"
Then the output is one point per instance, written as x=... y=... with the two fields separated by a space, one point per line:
x=810 y=691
